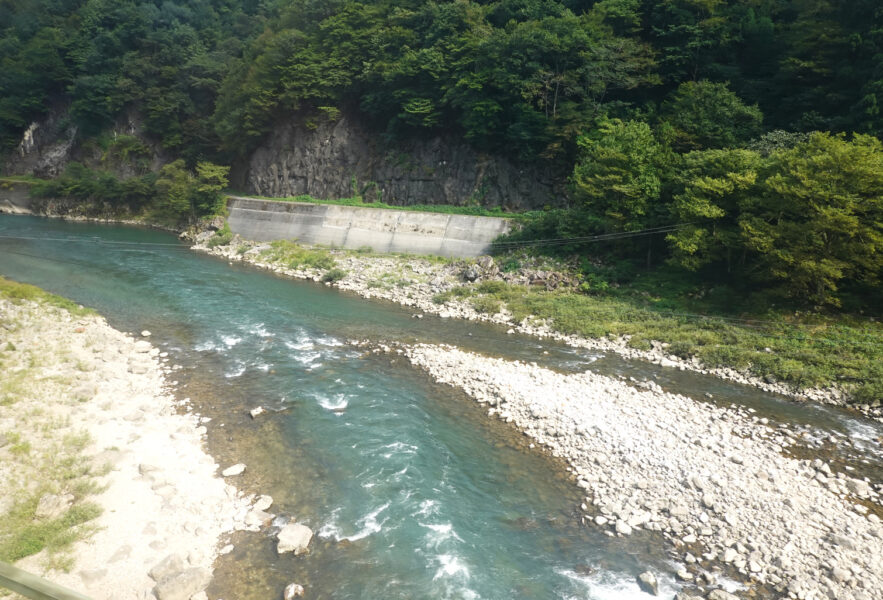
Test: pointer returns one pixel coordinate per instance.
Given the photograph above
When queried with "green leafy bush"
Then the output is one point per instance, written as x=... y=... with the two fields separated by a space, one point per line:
x=333 y=275
x=486 y=305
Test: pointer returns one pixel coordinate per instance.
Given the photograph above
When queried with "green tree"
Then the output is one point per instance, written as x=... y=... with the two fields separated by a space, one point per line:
x=819 y=221
x=174 y=188
x=708 y=115
x=617 y=175
x=211 y=181
x=713 y=187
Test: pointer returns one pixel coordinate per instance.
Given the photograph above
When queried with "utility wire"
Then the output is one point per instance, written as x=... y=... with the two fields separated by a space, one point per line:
x=588 y=239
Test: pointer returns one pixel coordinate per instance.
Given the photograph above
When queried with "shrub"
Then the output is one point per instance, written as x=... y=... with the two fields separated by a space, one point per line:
x=486 y=305
x=492 y=287
x=222 y=237
x=333 y=275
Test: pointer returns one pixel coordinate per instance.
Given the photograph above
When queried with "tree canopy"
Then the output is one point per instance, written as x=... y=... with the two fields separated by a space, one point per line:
x=751 y=127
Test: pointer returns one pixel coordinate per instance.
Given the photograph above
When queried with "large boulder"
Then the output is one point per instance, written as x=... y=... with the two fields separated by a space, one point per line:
x=647 y=582
x=183 y=585
x=294 y=537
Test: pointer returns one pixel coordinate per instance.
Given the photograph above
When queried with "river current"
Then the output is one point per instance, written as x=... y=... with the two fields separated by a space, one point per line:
x=412 y=491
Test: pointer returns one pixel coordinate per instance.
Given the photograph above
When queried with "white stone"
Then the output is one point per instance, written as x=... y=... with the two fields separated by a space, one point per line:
x=236 y=469
x=294 y=537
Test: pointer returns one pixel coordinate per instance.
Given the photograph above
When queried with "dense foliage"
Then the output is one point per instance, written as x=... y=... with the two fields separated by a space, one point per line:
x=723 y=117
x=173 y=196
x=522 y=76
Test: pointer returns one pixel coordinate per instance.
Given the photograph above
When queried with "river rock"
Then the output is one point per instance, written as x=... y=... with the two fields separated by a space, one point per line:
x=236 y=469
x=256 y=412
x=294 y=537
x=293 y=590
x=858 y=487
x=258 y=518
x=647 y=582
x=721 y=595
x=471 y=273
x=263 y=502
x=52 y=506
x=183 y=585
x=167 y=567
x=623 y=528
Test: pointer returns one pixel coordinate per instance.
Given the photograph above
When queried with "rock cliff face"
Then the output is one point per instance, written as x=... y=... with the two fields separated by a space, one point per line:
x=341 y=159
x=45 y=147
x=49 y=144
x=336 y=159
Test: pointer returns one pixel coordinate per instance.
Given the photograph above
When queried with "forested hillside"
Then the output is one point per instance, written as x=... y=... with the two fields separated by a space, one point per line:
x=751 y=125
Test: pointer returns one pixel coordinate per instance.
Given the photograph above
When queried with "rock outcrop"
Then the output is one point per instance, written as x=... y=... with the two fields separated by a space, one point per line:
x=343 y=158
x=49 y=144
x=45 y=148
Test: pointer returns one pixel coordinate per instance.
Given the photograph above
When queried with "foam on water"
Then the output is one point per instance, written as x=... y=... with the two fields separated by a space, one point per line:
x=439 y=534
x=260 y=330
x=302 y=343
x=237 y=370
x=865 y=435
x=369 y=525
x=206 y=346
x=603 y=586
x=450 y=565
x=401 y=448
x=337 y=405
x=230 y=340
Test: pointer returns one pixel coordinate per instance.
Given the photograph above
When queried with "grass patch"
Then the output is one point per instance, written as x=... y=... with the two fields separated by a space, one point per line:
x=297 y=257
x=43 y=455
x=15 y=291
x=13 y=386
x=25 y=535
x=459 y=292
x=7 y=179
x=802 y=350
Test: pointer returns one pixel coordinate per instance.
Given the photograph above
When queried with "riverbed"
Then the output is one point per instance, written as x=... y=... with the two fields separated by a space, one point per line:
x=412 y=491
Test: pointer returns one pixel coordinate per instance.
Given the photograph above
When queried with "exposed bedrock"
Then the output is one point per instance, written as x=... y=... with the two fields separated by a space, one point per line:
x=343 y=158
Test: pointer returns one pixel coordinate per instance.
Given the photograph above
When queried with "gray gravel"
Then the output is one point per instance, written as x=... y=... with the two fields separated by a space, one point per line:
x=713 y=480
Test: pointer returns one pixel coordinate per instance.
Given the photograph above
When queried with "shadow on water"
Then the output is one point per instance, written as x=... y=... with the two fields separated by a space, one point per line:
x=412 y=491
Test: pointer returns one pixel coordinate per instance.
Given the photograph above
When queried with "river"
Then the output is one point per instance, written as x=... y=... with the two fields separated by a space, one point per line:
x=412 y=490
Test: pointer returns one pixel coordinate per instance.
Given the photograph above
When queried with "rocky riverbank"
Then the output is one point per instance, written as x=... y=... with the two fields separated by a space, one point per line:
x=418 y=282
x=714 y=481
x=139 y=460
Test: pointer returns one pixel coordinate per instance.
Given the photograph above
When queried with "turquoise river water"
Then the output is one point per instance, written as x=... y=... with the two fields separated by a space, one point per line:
x=412 y=490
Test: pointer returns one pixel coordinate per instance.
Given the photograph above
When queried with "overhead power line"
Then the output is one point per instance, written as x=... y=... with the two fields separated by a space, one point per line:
x=591 y=238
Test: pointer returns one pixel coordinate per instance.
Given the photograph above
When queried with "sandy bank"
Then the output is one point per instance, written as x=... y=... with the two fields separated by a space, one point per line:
x=162 y=495
x=714 y=481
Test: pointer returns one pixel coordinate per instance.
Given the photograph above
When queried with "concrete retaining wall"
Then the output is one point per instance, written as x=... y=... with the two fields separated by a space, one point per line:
x=354 y=227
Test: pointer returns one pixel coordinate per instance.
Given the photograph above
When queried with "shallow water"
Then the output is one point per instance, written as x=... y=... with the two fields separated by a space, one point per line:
x=412 y=491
